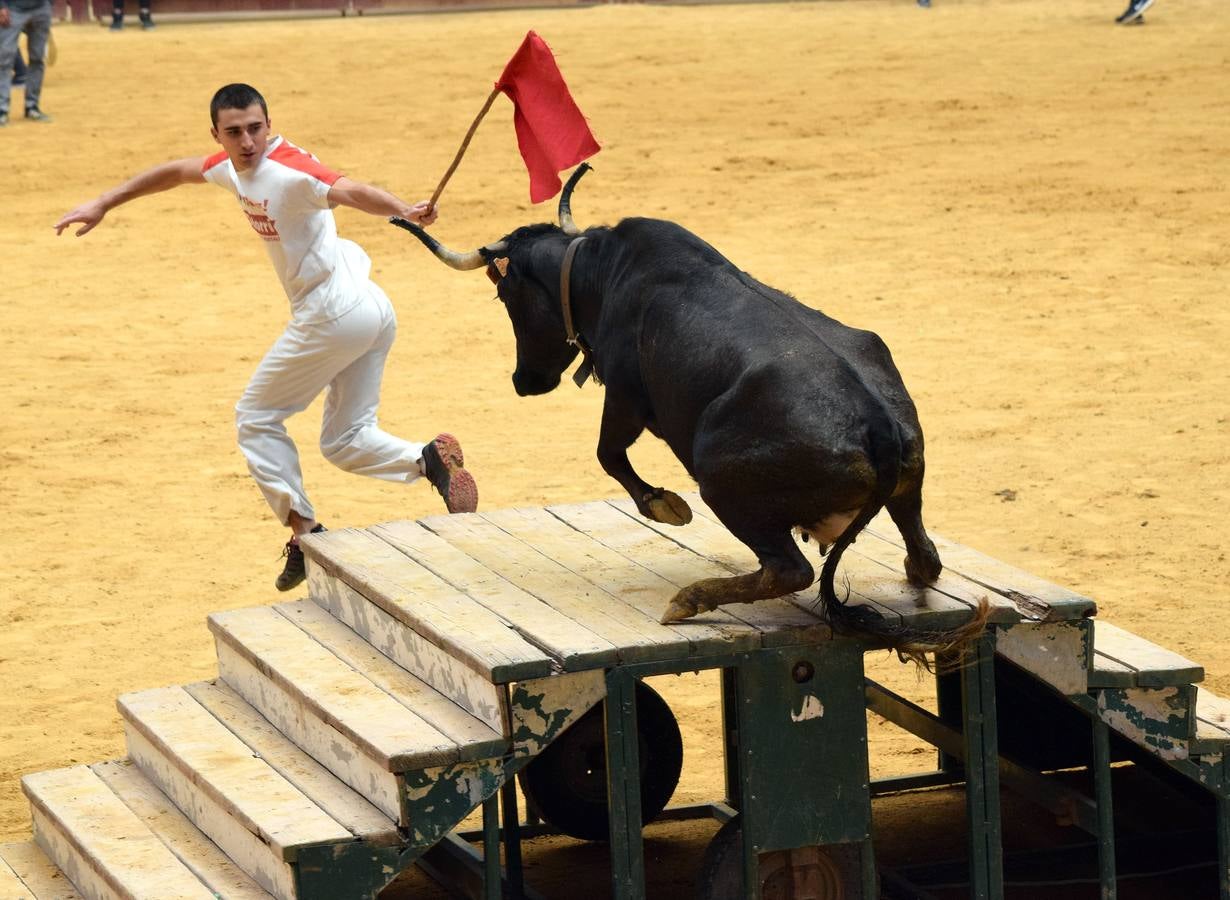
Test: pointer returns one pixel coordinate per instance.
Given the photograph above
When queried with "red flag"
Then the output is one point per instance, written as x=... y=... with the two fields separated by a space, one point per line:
x=551 y=131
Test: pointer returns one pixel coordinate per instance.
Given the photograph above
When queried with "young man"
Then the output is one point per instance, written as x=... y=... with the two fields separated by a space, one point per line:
x=341 y=328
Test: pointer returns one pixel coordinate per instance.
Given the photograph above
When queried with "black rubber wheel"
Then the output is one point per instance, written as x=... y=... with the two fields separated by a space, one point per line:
x=566 y=784
x=808 y=873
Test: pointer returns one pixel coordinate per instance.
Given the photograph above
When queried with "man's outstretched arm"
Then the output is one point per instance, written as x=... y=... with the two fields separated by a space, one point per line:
x=151 y=181
x=378 y=202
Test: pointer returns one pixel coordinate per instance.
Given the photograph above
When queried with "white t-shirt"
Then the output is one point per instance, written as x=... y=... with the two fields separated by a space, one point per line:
x=285 y=197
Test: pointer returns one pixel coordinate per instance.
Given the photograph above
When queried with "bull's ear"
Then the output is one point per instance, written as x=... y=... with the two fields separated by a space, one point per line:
x=501 y=265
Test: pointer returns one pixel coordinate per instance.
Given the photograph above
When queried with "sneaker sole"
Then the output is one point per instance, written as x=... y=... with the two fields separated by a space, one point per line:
x=1129 y=20
x=462 y=494
x=291 y=586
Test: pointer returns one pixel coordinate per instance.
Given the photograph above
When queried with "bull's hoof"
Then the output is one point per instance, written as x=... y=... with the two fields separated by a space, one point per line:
x=678 y=611
x=668 y=508
x=923 y=572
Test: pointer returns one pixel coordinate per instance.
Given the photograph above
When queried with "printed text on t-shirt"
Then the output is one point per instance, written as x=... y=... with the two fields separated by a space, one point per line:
x=258 y=216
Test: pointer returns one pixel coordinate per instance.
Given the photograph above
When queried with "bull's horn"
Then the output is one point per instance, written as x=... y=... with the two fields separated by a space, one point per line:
x=565 y=198
x=462 y=262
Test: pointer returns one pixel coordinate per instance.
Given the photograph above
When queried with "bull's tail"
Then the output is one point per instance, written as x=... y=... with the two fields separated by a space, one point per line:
x=909 y=642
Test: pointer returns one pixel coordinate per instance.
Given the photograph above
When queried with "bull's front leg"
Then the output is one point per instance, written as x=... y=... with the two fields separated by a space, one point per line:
x=621 y=426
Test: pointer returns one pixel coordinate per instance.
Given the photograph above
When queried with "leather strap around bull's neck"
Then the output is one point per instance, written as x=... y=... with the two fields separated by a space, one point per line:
x=586 y=369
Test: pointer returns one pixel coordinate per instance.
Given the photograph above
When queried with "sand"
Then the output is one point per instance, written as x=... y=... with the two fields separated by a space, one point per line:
x=1025 y=201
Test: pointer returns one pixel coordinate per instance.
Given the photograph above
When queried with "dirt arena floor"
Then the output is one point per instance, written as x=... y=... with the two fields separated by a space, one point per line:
x=1027 y=202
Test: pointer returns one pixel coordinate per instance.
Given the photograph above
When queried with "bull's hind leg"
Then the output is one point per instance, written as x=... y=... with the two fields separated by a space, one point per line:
x=922 y=562
x=783 y=570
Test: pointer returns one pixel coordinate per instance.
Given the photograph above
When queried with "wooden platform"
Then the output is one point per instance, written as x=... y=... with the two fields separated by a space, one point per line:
x=522 y=593
x=349 y=733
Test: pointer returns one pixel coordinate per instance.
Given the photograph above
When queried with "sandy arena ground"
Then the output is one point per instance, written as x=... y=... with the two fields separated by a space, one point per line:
x=1027 y=202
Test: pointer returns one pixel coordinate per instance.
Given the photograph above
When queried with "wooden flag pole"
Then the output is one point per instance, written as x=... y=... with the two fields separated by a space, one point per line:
x=464 y=144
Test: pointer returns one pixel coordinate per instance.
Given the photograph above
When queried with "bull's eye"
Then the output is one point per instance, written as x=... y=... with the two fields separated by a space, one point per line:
x=493 y=275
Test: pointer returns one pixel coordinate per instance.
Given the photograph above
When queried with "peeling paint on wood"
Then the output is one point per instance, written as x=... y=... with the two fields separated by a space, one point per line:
x=1057 y=652
x=1160 y=719
x=812 y=709
x=541 y=709
x=437 y=799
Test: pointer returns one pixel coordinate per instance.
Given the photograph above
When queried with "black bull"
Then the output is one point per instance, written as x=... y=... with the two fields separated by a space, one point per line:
x=786 y=418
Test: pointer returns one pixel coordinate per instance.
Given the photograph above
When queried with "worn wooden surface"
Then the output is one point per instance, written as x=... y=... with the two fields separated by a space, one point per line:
x=344 y=805
x=38 y=873
x=1123 y=659
x=189 y=844
x=99 y=843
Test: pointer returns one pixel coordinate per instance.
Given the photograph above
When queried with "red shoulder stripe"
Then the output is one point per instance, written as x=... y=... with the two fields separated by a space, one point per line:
x=211 y=161
x=301 y=161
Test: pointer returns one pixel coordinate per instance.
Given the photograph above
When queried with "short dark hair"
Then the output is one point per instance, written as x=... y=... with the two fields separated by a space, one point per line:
x=235 y=96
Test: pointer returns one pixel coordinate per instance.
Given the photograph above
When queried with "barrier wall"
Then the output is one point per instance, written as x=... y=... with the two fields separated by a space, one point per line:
x=94 y=11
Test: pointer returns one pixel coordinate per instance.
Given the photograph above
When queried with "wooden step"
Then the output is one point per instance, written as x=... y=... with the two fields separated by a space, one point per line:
x=1162 y=720
x=258 y=818
x=1212 y=724
x=100 y=844
x=1123 y=659
x=347 y=706
x=435 y=610
x=36 y=876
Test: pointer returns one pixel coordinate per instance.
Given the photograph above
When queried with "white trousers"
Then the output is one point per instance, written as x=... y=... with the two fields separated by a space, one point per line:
x=346 y=356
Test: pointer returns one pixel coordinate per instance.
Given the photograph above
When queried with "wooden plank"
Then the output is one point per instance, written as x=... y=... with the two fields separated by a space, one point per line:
x=639 y=637
x=393 y=736
x=951 y=584
x=474 y=738
x=1212 y=723
x=1038 y=598
x=346 y=807
x=430 y=606
x=631 y=537
x=871 y=547
x=97 y=841
x=210 y=760
x=465 y=686
x=1106 y=672
x=247 y=849
x=37 y=872
x=1162 y=720
x=869 y=583
x=635 y=584
x=1054 y=652
x=437 y=799
x=11 y=887
x=1035 y=597
x=566 y=639
x=544 y=708
x=1153 y=666
x=189 y=844
x=336 y=751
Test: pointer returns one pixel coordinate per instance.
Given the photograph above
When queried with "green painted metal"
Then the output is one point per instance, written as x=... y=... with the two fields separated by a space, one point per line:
x=803 y=747
x=512 y=840
x=493 y=888
x=354 y=870
x=624 y=787
x=982 y=773
x=1106 y=809
x=1044 y=791
x=730 y=736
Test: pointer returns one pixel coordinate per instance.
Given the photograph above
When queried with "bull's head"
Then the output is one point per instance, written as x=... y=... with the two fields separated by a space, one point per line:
x=525 y=268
